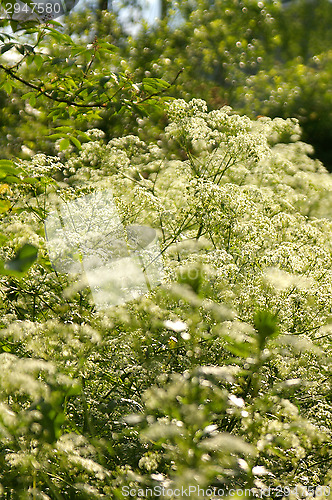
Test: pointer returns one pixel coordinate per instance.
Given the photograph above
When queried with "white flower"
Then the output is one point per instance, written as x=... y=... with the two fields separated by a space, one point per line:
x=176 y=326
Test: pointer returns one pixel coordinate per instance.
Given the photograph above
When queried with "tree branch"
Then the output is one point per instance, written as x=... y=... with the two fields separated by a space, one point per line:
x=71 y=102
x=39 y=88
x=161 y=91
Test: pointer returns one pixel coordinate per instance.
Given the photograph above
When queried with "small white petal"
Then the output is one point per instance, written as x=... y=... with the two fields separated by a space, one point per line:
x=259 y=471
x=176 y=326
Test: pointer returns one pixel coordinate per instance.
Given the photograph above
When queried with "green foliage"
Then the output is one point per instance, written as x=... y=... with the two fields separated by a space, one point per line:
x=295 y=89
x=21 y=262
x=220 y=377
x=266 y=326
x=263 y=58
x=67 y=78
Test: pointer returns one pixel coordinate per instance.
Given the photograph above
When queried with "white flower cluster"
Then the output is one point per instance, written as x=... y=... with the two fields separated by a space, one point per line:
x=95 y=134
x=42 y=165
x=280 y=130
x=247 y=187
x=227 y=134
x=244 y=219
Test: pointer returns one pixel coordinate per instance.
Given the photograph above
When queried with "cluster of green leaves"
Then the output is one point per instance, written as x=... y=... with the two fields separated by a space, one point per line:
x=221 y=376
x=65 y=79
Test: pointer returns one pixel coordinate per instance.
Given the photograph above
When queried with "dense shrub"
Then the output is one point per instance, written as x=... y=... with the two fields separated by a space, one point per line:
x=218 y=378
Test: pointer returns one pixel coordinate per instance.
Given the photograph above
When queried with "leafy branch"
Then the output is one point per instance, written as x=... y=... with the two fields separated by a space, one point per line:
x=41 y=89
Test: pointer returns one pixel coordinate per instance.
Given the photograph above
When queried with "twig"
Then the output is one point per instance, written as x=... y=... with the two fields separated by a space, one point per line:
x=155 y=94
x=39 y=88
x=70 y=102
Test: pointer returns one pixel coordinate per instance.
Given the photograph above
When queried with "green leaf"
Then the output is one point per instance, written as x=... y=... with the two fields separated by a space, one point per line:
x=242 y=350
x=22 y=261
x=75 y=141
x=55 y=136
x=57 y=60
x=83 y=135
x=139 y=110
x=103 y=80
x=63 y=129
x=28 y=48
x=38 y=60
x=7 y=87
x=64 y=144
x=10 y=179
x=6 y=47
x=20 y=49
x=3 y=23
x=30 y=180
x=266 y=325
x=4 y=206
x=7 y=169
x=6 y=163
x=153 y=85
x=32 y=101
x=14 y=25
x=28 y=95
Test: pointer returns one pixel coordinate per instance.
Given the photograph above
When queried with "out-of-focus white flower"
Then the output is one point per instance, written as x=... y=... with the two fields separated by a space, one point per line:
x=176 y=326
x=281 y=280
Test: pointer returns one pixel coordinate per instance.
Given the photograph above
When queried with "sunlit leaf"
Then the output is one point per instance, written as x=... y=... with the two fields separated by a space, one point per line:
x=22 y=261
